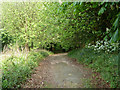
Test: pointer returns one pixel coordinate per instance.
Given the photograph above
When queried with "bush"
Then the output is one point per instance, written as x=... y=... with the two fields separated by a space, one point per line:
x=5 y=38
x=17 y=69
x=104 y=63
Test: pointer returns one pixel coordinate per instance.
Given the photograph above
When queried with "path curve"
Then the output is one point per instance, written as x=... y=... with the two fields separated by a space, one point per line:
x=59 y=71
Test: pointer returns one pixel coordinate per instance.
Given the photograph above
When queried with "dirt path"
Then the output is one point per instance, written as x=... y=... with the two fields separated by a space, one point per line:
x=59 y=71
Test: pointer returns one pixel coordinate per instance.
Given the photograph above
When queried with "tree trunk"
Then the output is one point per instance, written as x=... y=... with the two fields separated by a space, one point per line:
x=27 y=47
x=31 y=47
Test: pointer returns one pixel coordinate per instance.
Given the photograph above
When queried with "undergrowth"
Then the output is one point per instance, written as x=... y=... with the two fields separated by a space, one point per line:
x=104 y=63
x=17 y=69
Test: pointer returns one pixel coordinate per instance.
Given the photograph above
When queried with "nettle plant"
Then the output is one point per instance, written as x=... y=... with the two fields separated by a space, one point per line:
x=104 y=45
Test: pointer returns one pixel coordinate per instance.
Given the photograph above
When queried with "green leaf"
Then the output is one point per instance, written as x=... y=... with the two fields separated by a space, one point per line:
x=116 y=23
x=81 y=3
x=95 y=5
x=115 y=36
x=101 y=11
x=106 y=37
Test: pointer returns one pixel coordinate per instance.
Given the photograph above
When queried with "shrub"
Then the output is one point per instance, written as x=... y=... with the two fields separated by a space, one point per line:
x=17 y=69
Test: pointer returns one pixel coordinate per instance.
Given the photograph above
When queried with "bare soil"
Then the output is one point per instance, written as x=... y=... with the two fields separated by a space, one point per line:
x=60 y=71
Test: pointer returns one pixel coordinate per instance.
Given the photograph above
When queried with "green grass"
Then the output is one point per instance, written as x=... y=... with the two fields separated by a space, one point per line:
x=17 y=69
x=105 y=64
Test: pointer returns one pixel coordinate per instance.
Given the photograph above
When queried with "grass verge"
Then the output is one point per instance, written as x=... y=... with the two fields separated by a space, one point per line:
x=17 y=69
x=105 y=64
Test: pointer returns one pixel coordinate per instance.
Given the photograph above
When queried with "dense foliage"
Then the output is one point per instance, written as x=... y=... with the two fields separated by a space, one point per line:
x=67 y=25
x=102 y=16
x=38 y=25
x=6 y=38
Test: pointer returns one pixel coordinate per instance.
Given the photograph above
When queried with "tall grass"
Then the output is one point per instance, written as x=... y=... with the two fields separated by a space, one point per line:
x=17 y=65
